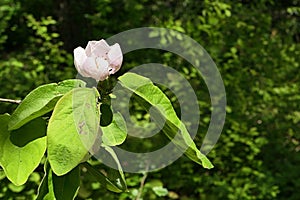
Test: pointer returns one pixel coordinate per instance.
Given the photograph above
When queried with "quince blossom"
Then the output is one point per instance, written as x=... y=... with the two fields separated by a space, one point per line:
x=98 y=60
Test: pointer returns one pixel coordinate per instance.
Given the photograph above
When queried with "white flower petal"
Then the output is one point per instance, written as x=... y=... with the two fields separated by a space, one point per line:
x=89 y=67
x=89 y=48
x=96 y=68
x=102 y=66
x=98 y=60
x=100 y=49
x=79 y=58
x=115 y=57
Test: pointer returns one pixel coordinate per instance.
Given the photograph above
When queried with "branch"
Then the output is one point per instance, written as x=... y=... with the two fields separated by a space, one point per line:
x=10 y=100
x=141 y=186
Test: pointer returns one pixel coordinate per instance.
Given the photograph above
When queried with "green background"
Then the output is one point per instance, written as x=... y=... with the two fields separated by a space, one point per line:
x=255 y=45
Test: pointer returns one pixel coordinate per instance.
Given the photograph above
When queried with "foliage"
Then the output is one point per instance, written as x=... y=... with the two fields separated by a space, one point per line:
x=255 y=45
x=72 y=130
x=38 y=59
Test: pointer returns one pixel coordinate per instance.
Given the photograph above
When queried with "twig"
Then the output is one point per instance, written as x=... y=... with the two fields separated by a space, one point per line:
x=141 y=186
x=10 y=100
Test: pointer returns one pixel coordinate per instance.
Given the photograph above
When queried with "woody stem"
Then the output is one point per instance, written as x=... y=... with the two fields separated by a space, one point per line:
x=10 y=100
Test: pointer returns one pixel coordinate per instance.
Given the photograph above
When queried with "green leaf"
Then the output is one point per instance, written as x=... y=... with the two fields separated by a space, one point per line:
x=102 y=179
x=19 y=162
x=16 y=189
x=41 y=101
x=66 y=186
x=117 y=176
x=59 y=187
x=50 y=195
x=43 y=189
x=144 y=88
x=115 y=133
x=106 y=115
x=29 y=132
x=160 y=191
x=72 y=129
x=2 y=175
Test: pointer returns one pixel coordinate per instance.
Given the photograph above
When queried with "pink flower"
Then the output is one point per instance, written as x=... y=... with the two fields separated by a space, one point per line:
x=98 y=60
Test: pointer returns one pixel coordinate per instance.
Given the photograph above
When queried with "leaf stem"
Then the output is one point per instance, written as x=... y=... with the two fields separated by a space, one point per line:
x=10 y=100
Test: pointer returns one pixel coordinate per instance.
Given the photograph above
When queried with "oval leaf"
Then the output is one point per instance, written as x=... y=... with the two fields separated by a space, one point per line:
x=72 y=129
x=116 y=132
x=19 y=162
x=41 y=101
x=144 y=88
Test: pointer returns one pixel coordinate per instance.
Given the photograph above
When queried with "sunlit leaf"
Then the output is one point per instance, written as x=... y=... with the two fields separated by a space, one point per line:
x=160 y=191
x=144 y=88
x=115 y=133
x=19 y=161
x=72 y=129
x=116 y=175
x=40 y=101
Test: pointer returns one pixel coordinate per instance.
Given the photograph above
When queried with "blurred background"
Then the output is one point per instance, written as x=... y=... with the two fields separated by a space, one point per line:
x=255 y=45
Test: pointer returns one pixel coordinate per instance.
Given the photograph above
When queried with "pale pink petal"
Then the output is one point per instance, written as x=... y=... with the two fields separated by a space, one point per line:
x=88 y=67
x=89 y=48
x=103 y=43
x=79 y=58
x=103 y=72
x=97 y=68
x=100 y=49
x=115 y=57
x=98 y=60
